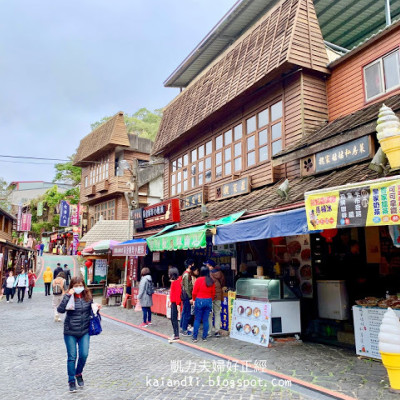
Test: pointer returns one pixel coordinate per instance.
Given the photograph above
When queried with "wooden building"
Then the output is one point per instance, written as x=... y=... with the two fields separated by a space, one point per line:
x=104 y=182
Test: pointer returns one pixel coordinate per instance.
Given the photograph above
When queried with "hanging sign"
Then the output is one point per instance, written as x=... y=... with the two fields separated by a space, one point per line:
x=373 y=204
x=40 y=209
x=234 y=188
x=26 y=220
x=162 y=213
x=137 y=217
x=75 y=212
x=19 y=218
x=64 y=213
x=192 y=200
x=133 y=269
x=156 y=256
x=131 y=249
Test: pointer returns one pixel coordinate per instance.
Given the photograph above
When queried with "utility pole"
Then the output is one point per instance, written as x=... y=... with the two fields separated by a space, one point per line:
x=132 y=199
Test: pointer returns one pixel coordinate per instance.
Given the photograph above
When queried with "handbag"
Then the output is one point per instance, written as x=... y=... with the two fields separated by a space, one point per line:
x=138 y=307
x=95 y=324
x=71 y=304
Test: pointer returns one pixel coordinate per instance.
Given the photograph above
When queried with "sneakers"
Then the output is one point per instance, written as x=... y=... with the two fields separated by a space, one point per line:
x=204 y=339
x=173 y=339
x=79 y=379
x=188 y=333
x=217 y=334
x=143 y=325
x=72 y=386
x=59 y=319
x=8 y=301
x=194 y=340
x=149 y=323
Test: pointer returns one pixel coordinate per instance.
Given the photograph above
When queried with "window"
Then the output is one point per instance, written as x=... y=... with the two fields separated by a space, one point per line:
x=86 y=181
x=253 y=140
x=105 y=209
x=382 y=75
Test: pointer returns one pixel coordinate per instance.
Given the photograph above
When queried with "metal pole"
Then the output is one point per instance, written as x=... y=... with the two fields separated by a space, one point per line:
x=387 y=13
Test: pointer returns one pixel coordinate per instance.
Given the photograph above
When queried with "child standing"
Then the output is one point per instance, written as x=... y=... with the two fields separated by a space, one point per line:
x=175 y=300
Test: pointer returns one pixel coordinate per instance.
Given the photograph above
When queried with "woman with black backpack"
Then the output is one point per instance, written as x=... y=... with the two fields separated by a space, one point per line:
x=145 y=296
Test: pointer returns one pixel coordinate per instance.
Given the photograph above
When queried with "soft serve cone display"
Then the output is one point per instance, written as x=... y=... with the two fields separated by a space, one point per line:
x=388 y=134
x=389 y=347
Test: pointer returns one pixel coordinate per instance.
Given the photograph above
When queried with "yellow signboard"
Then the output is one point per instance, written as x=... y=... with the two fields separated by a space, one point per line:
x=370 y=204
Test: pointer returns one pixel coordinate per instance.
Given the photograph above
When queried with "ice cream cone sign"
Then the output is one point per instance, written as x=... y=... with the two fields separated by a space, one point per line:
x=388 y=134
x=389 y=347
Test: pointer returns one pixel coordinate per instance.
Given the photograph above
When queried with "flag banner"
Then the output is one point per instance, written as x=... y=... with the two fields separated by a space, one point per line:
x=74 y=211
x=26 y=220
x=64 y=213
x=40 y=209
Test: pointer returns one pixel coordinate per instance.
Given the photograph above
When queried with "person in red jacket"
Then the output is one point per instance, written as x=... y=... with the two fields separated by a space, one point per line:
x=174 y=301
x=202 y=296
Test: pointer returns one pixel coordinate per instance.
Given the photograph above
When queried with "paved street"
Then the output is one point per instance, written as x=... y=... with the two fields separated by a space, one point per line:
x=123 y=363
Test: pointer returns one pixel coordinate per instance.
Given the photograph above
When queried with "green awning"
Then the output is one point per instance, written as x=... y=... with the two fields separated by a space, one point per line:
x=189 y=238
x=182 y=239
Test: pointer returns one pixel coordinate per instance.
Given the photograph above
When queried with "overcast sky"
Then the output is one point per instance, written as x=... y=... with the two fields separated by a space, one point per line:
x=65 y=64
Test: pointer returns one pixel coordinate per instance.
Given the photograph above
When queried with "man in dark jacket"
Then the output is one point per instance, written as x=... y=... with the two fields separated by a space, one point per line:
x=219 y=280
x=57 y=271
x=67 y=273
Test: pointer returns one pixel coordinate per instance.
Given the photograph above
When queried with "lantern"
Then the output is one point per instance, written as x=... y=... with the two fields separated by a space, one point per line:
x=79 y=253
x=277 y=240
x=88 y=263
x=329 y=234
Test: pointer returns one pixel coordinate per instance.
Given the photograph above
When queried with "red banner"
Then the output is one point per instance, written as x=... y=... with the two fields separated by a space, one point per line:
x=26 y=220
x=162 y=213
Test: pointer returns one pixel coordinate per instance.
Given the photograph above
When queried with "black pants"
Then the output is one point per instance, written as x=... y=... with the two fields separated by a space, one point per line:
x=47 y=288
x=174 y=319
x=9 y=293
x=30 y=290
x=21 y=293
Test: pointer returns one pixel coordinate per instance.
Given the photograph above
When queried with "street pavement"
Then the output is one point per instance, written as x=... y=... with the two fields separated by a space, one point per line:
x=124 y=362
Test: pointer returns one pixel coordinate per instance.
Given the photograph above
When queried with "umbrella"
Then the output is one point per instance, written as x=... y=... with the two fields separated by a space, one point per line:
x=104 y=245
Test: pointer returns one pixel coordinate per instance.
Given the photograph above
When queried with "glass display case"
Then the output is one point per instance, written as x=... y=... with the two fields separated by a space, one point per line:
x=263 y=289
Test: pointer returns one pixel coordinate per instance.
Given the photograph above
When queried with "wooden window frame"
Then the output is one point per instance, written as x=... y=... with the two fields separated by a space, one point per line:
x=382 y=75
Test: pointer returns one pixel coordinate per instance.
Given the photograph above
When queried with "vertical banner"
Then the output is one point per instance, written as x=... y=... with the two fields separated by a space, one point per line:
x=19 y=218
x=74 y=211
x=64 y=213
x=133 y=264
x=40 y=209
x=26 y=221
x=75 y=240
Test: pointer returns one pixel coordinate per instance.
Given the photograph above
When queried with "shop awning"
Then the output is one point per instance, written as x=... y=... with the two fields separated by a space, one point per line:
x=134 y=247
x=182 y=239
x=368 y=203
x=189 y=238
x=286 y=223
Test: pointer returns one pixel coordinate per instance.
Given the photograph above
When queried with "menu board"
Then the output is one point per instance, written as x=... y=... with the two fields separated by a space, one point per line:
x=362 y=205
x=251 y=321
x=367 y=322
x=300 y=252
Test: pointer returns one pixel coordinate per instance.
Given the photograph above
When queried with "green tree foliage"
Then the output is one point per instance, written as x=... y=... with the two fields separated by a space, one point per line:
x=4 y=193
x=68 y=173
x=143 y=122
x=51 y=199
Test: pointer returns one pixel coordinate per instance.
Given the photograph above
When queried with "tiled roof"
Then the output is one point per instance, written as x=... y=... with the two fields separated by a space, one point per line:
x=282 y=36
x=109 y=230
x=366 y=116
x=111 y=133
x=267 y=198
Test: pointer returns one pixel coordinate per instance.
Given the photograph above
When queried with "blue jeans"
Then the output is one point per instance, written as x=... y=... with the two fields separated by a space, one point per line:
x=83 y=344
x=185 y=317
x=202 y=309
x=146 y=314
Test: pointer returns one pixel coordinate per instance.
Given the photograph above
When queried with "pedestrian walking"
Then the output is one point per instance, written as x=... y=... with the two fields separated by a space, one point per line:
x=76 y=329
x=67 y=273
x=32 y=282
x=57 y=271
x=41 y=248
x=8 y=287
x=59 y=288
x=202 y=297
x=186 y=294
x=145 y=296
x=219 y=280
x=174 y=300
x=21 y=283
x=47 y=278
x=37 y=247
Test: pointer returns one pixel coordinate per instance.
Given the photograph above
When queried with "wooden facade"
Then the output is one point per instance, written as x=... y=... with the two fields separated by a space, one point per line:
x=6 y=224
x=345 y=86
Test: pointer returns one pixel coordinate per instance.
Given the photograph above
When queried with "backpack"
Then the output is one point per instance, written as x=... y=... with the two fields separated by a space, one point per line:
x=57 y=289
x=184 y=295
x=149 y=288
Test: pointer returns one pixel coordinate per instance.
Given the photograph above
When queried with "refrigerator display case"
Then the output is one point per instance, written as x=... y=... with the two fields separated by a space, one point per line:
x=285 y=306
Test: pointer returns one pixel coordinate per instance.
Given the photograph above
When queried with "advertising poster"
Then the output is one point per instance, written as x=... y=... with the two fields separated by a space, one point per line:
x=375 y=204
x=251 y=321
x=74 y=214
x=225 y=314
x=64 y=213
x=300 y=252
x=26 y=221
